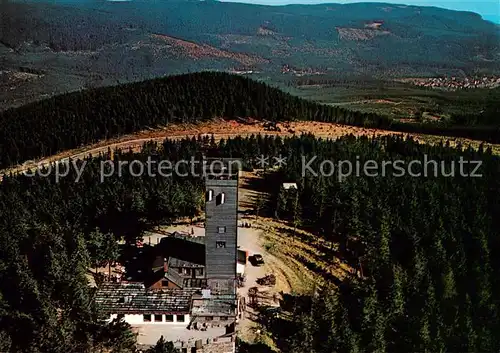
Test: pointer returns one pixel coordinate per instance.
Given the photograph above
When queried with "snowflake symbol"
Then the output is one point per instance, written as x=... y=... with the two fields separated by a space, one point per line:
x=280 y=161
x=262 y=161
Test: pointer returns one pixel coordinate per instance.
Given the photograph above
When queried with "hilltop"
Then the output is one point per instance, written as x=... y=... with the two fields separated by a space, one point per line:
x=77 y=119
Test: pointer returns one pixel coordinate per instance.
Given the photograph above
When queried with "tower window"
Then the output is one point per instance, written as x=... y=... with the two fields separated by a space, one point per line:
x=221 y=230
x=210 y=195
x=221 y=198
x=220 y=244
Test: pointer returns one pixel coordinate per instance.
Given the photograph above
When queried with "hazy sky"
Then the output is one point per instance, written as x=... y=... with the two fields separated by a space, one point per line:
x=489 y=9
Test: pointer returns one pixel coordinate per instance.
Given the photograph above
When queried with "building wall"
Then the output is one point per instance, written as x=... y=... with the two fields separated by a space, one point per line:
x=221 y=262
x=218 y=347
x=172 y=285
x=213 y=345
x=219 y=321
x=159 y=284
x=199 y=272
x=240 y=268
x=135 y=319
x=156 y=285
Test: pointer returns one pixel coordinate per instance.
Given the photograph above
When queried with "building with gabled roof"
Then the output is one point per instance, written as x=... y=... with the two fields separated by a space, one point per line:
x=192 y=282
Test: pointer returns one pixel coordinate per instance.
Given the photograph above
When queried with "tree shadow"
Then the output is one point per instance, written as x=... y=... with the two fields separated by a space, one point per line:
x=245 y=347
x=265 y=199
x=278 y=323
x=347 y=256
x=137 y=261
x=266 y=183
x=329 y=277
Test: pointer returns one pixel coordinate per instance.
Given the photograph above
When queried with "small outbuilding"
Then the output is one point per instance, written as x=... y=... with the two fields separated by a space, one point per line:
x=288 y=186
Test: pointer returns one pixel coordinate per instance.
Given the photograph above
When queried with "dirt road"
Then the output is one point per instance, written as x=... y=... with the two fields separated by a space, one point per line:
x=256 y=240
x=220 y=129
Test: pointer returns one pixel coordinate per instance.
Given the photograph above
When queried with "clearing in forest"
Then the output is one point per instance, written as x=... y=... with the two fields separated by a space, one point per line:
x=223 y=129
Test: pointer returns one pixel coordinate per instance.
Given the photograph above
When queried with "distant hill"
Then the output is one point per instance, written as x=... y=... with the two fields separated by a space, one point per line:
x=77 y=44
x=79 y=118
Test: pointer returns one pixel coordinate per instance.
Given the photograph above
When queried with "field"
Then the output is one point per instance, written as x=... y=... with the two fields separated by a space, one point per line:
x=398 y=100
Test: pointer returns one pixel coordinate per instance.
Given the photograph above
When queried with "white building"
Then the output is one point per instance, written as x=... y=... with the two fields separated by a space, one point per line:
x=194 y=320
x=135 y=305
x=242 y=262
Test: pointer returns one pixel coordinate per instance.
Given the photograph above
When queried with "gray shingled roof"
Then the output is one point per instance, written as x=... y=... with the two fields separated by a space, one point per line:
x=217 y=305
x=133 y=298
x=173 y=276
x=175 y=262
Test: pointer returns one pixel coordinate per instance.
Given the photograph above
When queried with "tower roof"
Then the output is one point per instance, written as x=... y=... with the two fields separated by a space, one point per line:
x=222 y=168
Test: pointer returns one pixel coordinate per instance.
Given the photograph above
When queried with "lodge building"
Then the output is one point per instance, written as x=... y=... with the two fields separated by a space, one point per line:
x=192 y=282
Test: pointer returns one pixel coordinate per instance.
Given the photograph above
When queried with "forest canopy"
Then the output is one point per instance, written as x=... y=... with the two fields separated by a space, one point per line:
x=428 y=247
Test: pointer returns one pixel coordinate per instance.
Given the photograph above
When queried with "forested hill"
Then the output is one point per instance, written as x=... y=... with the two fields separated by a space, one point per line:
x=71 y=120
x=80 y=118
x=376 y=35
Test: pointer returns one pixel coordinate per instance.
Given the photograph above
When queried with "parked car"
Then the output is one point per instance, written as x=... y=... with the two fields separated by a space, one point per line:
x=257 y=260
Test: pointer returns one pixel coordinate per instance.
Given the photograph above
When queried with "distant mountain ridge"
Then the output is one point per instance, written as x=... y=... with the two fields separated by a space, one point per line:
x=99 y=42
